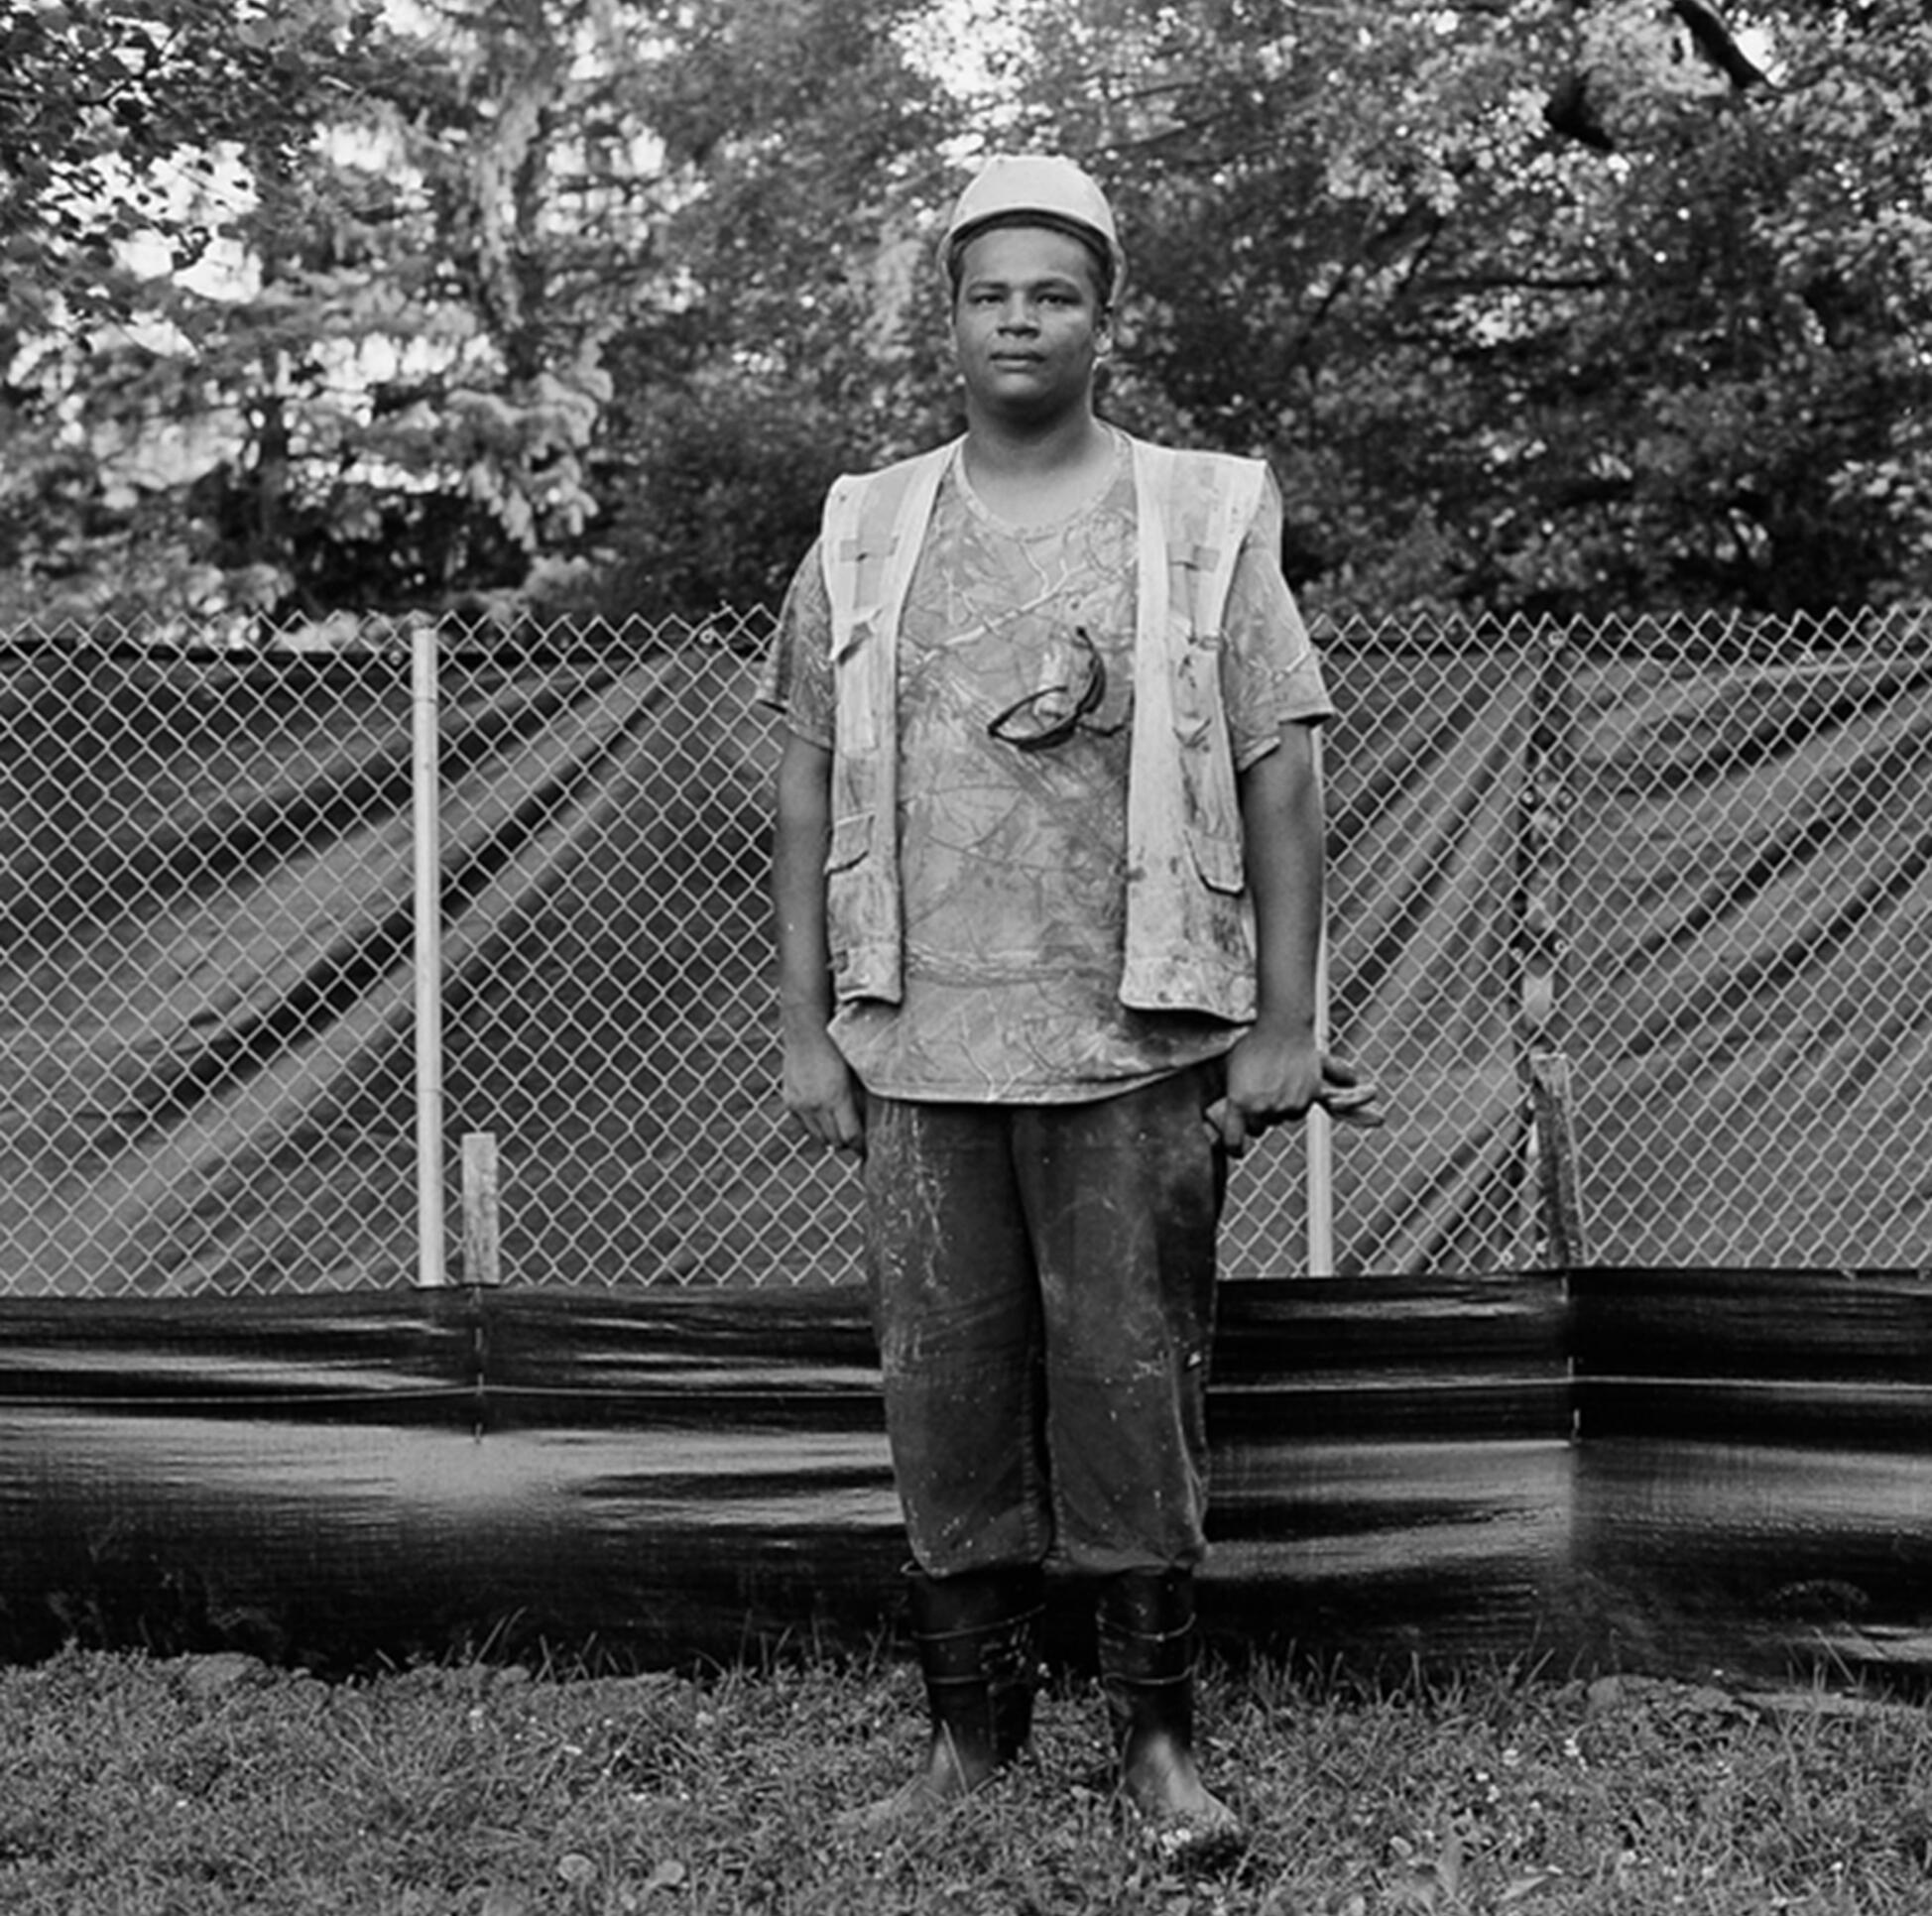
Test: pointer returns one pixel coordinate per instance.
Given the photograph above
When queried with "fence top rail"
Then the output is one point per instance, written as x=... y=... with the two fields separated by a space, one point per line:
x=384 y=638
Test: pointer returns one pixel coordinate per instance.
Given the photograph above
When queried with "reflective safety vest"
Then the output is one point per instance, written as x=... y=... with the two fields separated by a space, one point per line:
x=1190 y=932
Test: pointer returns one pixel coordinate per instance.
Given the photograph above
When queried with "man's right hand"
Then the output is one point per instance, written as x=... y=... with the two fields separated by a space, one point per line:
x=826 y=1102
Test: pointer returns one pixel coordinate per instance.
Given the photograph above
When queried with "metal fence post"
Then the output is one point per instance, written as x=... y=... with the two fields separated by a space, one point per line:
x=427 y=842
x=1318 y=1130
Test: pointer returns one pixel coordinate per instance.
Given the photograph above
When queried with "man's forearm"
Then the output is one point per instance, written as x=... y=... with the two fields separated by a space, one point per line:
x=819 y=1088
x=1285 y=852
x=798 y=844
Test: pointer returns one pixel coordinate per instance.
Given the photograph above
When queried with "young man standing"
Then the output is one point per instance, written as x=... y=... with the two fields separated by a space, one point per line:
x=1049 y=883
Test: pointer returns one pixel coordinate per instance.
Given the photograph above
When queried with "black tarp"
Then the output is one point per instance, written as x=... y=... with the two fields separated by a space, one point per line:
x=1661 y=1470
x=667 y=1473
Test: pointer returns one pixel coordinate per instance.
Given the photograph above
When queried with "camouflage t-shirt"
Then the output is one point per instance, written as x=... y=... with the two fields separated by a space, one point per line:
x=1012 y=860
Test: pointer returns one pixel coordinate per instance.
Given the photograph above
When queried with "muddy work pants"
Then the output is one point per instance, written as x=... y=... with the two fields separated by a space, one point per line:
x=1042 y=1290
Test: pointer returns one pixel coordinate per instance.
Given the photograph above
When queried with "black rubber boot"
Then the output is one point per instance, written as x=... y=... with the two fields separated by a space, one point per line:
x=1145 y=1630
x=978 y=1639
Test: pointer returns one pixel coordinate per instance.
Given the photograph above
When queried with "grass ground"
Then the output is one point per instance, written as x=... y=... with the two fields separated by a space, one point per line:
x=214 y=1786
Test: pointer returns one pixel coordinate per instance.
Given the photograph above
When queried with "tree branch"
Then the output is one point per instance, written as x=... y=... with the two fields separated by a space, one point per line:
x=1715 y=42
x=1570 y=111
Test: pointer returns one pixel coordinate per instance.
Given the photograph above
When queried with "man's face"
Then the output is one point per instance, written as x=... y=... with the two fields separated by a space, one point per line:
x=1028 y=323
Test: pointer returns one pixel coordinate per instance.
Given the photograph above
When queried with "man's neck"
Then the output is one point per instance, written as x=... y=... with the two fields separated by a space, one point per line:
x=1036 y=474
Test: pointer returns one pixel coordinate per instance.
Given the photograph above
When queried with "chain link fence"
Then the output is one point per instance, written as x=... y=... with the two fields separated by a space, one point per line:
x=1683 y=862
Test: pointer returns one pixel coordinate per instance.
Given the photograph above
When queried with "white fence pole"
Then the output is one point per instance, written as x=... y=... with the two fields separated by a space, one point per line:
x=1318 y=1130
x=426 y=795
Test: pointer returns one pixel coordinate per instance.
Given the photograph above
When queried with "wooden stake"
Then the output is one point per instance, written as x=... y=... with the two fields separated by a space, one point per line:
x=1542 y=855
x=482 y=1214
x=1560 y=1201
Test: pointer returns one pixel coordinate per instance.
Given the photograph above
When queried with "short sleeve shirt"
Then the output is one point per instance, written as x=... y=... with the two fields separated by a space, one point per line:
x=1012 y=860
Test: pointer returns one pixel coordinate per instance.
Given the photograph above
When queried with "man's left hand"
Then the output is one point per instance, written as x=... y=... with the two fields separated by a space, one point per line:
x=1275 y=1077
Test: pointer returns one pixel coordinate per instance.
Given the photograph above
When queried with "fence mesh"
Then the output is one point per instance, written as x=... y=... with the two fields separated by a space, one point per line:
x=1687 y=859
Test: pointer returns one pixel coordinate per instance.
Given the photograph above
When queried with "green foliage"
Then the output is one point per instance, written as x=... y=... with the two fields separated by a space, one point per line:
x=1498 y=367
x=720 y=500
x=1548 y=308
x=112 y=114
x=799 y=333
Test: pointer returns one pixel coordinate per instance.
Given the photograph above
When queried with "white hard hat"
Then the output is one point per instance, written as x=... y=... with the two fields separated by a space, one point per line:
x=1061 y=193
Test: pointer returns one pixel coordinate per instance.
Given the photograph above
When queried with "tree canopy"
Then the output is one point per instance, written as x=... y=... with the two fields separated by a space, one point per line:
x=1556 y=307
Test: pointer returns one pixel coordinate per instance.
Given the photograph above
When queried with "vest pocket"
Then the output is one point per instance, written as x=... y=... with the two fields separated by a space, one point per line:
x=1197 y=683
x=1209 y=797
x=1217 y=858
x=848 y=842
